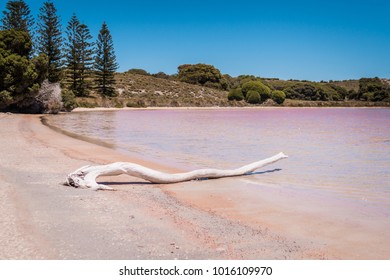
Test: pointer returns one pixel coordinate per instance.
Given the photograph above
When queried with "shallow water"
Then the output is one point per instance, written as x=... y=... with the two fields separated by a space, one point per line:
x=342 y=151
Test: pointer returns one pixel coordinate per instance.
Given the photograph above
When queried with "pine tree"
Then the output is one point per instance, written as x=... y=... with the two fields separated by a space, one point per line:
x=50 y=39
x=79 y=56
x=17 y=16
x=72 y=53
x=105 y=62
x=20 y=76
x=86 y=53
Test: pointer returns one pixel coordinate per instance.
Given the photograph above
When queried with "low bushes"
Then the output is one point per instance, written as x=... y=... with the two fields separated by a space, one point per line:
x=255 y=92
x=278 y=96
x=253 y=97
x=235 y=94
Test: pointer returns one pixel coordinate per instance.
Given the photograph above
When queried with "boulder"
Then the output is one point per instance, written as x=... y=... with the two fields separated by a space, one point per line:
x=47 y=101
x=49 y=98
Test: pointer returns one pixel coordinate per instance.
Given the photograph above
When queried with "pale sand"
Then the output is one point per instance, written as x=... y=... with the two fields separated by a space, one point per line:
x=214 y=219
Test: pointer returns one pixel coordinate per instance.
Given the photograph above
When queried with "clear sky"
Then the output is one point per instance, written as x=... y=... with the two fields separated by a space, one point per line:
x=312 y=40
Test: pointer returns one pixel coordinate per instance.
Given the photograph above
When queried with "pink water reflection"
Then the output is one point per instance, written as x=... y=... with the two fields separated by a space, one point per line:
x=342 y=150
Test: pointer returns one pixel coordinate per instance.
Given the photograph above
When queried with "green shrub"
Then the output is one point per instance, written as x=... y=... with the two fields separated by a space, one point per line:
x=257 y=86
x=373 y=89
x=20 y=76
x=368 y=96
x=305 y=91
x=86 y=104
x=131 y=104
x=201 y=74
x=352 y=94
x=265 y=94
x=68 y=100
x=242 y=79
x=118 y=104
x=382 y=95
x=341 y=93
x=212 y=85
x=253 y=97
x=138 y=72
x=162 y=75
x=136 y=104
x=278 y=96
x=5 y=97
x=235 y=94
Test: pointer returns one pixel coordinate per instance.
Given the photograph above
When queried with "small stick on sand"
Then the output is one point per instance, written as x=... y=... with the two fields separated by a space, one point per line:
x=85 y=177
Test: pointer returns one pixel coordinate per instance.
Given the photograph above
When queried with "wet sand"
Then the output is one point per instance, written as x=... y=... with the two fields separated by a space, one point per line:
x=228 y=218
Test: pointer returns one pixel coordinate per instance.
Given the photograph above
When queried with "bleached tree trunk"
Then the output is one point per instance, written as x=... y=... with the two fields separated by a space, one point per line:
x=85 y=177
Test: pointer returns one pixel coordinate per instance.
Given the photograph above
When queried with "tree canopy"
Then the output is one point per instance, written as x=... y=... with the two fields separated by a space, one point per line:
x=374 y=89
x=202 y=74
x=20 y=76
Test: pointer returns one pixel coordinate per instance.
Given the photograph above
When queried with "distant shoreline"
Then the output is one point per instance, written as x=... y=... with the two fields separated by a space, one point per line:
x=289 y=103
x=84 y=109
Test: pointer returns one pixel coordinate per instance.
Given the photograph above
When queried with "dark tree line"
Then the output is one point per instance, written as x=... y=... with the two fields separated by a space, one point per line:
x=75 y=60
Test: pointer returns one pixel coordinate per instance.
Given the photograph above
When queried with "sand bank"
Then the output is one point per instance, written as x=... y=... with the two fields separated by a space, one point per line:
x=214 y=219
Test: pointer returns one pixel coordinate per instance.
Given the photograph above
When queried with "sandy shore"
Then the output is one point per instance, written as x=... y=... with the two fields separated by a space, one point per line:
x=215 y=219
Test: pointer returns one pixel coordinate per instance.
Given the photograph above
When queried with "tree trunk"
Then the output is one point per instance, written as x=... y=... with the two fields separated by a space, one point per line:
x=85 y=177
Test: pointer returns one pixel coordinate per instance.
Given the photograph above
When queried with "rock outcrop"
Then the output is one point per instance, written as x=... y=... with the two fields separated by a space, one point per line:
x=47 y=101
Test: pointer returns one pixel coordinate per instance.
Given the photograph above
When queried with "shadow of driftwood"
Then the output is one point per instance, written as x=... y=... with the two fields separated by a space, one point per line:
x=126 y=183
x=247 y=174
x=263 y=172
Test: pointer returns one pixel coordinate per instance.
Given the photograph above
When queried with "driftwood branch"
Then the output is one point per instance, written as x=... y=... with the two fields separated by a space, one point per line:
x=86 y=176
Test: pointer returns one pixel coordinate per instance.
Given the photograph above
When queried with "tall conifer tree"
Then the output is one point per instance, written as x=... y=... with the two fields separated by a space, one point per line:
x=50 y=39
x=79 y=56
x=17 y=16
x=105 y=62
x=86 y=53
x=72 y=53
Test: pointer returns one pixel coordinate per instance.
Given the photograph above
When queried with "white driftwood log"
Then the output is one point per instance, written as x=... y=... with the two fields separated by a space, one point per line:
x=85 y=177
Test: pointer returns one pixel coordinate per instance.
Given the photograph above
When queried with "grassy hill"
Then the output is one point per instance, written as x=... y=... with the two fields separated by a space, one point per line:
x=140 y=90
x=135 y=90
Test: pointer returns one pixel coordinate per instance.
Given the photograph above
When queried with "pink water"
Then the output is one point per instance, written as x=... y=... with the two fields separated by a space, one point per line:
x=341 y=151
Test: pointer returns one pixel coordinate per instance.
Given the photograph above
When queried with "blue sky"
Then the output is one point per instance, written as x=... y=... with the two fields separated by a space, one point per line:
x=312 y=40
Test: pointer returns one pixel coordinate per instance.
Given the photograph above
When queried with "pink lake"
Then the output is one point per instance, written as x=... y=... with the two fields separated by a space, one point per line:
x=332 y=192
x=342 y=151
